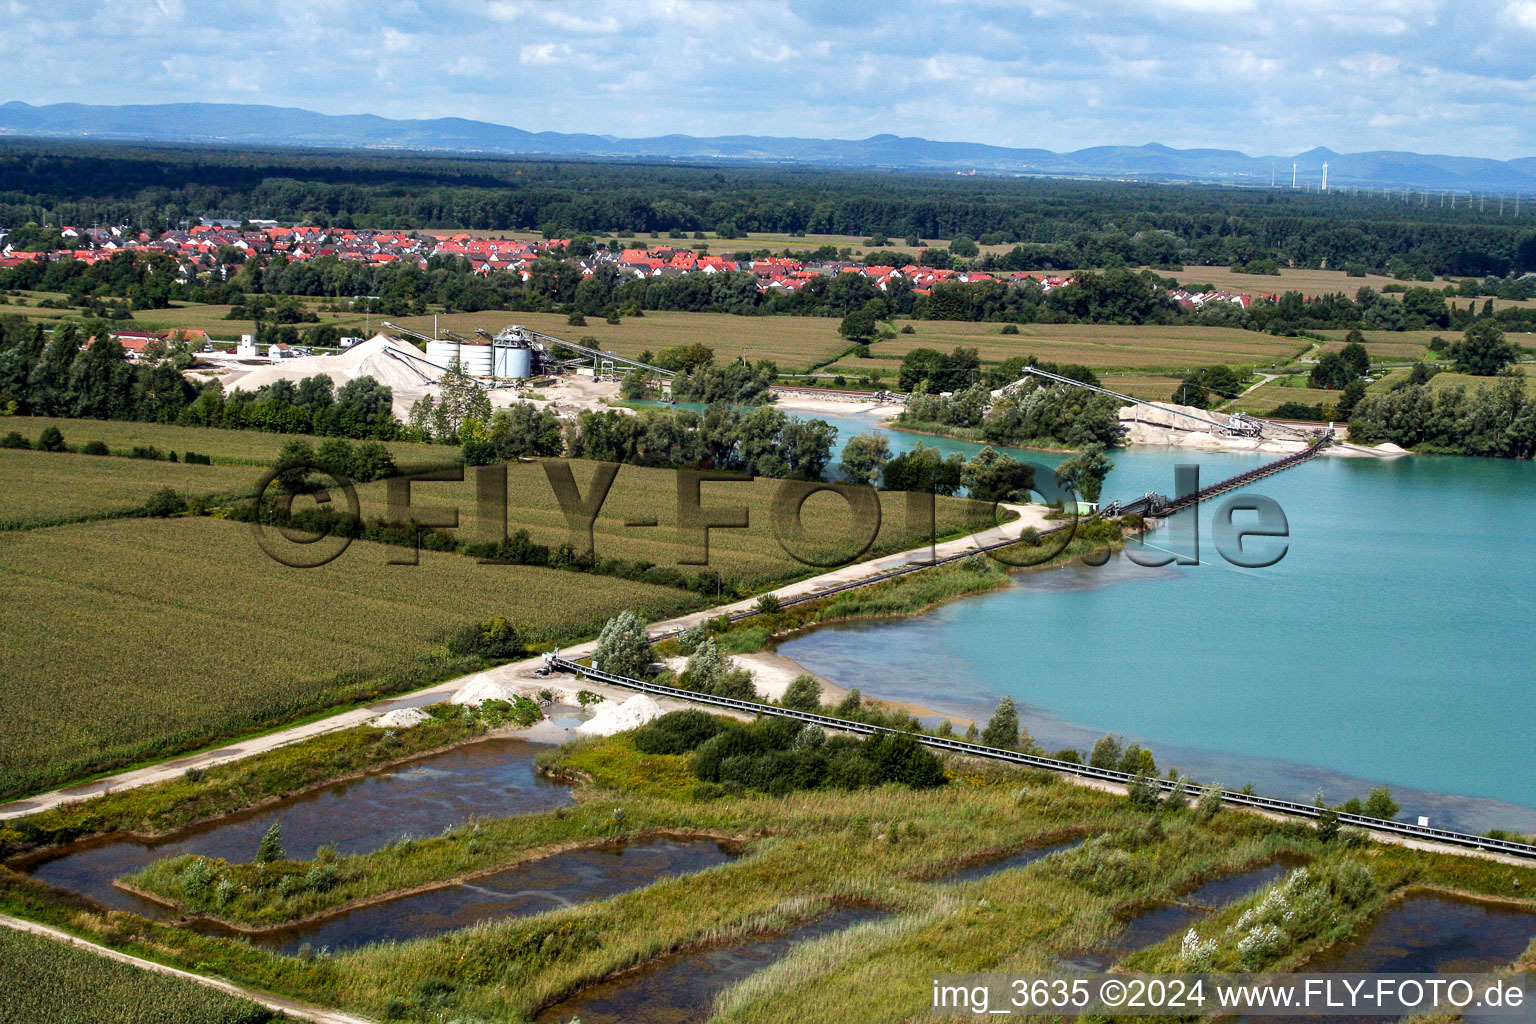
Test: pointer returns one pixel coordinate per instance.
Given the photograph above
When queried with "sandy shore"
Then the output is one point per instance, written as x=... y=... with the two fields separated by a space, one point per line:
x=838 y=406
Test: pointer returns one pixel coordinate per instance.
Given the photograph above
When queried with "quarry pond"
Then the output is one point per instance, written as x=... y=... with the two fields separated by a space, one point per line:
x=1376 y=651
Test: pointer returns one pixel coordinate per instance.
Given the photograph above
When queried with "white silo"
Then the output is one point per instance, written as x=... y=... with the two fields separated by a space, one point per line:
x=514 y=361
x=442 y=353
x=476 y=359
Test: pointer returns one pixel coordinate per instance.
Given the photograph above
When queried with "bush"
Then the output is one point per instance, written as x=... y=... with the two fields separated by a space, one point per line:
x=271 y=847
x=677 y=732
x=165 y=502
x=14 y=440
x=494 y=638
x=803 y=693
x=1010 y=329
x=96 y=448
x=146 y=451
x=50 y=440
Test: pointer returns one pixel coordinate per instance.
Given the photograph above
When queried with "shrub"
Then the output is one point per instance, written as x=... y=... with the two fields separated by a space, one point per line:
x=677 y=732
x=321 y=877
x=1010 y=329
x=50 y=440
x=165 y=502
x=768 y=604
x=803 y=693
x=14 y=440
x=146 y=451
x=96 y=448
x=271 y=847
x=494 y=638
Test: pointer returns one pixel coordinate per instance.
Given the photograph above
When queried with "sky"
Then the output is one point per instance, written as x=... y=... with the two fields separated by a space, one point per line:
x=1268 y=78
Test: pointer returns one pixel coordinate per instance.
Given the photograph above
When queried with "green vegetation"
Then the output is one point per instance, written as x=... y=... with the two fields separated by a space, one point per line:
x=50 y=489
x=1497 y=419
x=48 y=980
x=890 y=847
x=206 y=793
x=237 y=633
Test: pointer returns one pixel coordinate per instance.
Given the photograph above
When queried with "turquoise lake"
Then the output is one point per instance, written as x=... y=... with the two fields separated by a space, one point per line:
x=1391 y=645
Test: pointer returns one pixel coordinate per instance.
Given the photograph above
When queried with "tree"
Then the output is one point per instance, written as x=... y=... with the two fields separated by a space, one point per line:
x=624 y=646
x=1085 y=472
x=989 y=475
x=1106 y=753
x=963 y=246
x=859 y=325
x=1003 y=728
x=1483 y=352
x=1192 y=393
x=635 y=385
x=163 y=503
x=50 y=440
x=804 y=693
x=864 y=456
x=711 y=671
x=1380 y=804
x=271 y=847
x=1353 y=392
x=1354 y=357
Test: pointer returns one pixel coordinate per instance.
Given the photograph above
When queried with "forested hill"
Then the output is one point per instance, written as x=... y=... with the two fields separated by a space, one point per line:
x=253 y=124
x=1051 y=224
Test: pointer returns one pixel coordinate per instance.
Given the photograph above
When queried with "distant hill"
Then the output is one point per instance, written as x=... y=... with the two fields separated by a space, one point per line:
x=250 y=124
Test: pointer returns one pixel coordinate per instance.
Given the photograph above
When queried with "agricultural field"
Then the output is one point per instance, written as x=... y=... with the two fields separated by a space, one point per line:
x=1098 y=346
x=1391 y=346
x=794 y=342
x=1153 y=389
x=1450 y=379
x=1290 y=279
x=51 y=488
x=47 y=980
x=134 y=639
x=1262 y=400
x=178 y=316
x=225 y=447
x=751 y=558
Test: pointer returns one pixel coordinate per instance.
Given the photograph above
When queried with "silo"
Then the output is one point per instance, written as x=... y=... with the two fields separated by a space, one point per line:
x=476 y=359
x=442 y=353
x=514 y=361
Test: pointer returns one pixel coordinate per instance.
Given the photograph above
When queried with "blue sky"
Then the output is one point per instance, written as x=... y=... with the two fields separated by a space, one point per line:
x=1274 y=77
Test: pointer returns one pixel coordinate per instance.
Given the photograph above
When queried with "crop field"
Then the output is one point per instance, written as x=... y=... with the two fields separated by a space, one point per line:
x=1450 y=379
x=1308 y=282
x=797 y=343
x=178 y=316
x=135 y=638
x=1391 y=346
x=49 y=488
x=1263 y=400
x=1153 y=389
x=226 y=447
x=47 y=980
x=794 y=342
x=1099 y=346
x=752 y=556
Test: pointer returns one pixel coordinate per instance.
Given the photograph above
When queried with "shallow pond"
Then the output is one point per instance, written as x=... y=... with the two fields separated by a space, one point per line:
x=489 y=778
x=559 y=880
x=681 y=989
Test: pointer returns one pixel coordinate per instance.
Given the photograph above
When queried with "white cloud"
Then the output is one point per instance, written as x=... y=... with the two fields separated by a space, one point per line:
x=543 y=54
x=1522 y=13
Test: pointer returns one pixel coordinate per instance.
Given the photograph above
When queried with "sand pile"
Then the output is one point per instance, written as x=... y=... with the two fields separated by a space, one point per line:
x=394 y=364
x=615 y=718
x=483 y=687
x=400 y=718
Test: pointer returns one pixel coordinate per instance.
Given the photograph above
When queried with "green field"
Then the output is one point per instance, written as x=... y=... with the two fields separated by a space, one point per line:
x=49 y=981
x=49 y=488
x=179 y=316
x=751 y=557
x=130 y=639
x=794 y=342
x=1263 y=400
x=227 y=447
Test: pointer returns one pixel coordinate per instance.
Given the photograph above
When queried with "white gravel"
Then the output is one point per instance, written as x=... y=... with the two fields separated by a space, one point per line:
x=400 y=718
x=614 y=718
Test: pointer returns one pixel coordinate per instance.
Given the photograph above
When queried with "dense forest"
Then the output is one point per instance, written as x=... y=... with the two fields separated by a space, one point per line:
x=1053 y=224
